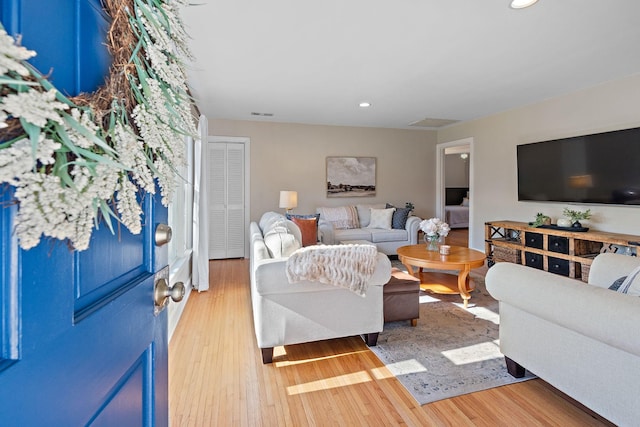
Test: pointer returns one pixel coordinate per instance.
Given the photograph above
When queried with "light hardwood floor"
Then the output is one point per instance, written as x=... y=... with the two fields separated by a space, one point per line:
x=216 y=377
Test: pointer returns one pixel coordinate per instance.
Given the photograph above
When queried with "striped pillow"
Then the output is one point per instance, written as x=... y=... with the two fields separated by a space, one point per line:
x=342 y=218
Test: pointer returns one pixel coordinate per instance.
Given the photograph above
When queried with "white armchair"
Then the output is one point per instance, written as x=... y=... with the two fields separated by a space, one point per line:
x=290 y=313
x=581 y=338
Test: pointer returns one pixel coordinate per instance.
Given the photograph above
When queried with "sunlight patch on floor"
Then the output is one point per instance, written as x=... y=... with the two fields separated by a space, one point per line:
x=404 y=367
x=382 y=373
x=473 y=353
x=284 y=363
x=330 y=383
x=485 y=314
x=427 y=298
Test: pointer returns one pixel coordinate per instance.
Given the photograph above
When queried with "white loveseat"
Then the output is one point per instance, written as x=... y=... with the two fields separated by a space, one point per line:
x=356 y=224
x=581 y=338
x=290 y=313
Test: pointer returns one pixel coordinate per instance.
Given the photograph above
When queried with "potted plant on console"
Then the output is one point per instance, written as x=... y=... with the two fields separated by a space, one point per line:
x=574 y=217
x=541 y=219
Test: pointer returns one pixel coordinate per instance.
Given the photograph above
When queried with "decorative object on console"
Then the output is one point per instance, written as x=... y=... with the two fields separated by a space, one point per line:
x=351 y=176
x=434 y=229
x=308 y=225
x=564 y=222
x=576 y=216
x=541 y=219
x=288 y=200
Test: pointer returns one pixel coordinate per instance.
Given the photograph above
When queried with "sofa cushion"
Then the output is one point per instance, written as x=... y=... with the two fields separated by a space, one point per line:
x=342 y=217
x=381 y=218
x=353 y=234
x=308 y=225
x=282 y=239
x=399 y=220
x=364 y=213
x=379 y=236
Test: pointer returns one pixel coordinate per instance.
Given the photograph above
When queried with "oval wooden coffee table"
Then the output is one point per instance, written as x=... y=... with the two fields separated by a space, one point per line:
x=460 y=259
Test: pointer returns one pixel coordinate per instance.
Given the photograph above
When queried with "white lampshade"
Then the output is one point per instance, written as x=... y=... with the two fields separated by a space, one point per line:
x=288 y=199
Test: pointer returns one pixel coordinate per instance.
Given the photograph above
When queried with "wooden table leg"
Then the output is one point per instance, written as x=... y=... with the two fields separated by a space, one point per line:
x=411 y=272
x=462 y=285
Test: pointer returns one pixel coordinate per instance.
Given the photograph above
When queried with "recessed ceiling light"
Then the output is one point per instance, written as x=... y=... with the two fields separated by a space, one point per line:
x=521 y=4
x=365 y=104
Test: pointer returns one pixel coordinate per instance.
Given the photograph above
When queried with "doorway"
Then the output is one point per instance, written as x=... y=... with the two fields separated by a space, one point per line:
x=228 y=196
x=454 y=181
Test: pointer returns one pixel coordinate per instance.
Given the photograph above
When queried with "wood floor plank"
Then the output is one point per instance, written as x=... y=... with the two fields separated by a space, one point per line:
x=216 y=377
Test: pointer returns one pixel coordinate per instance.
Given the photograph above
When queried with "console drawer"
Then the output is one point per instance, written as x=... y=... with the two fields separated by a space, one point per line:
x=533 y=260
x=558 y=244
x=558 y=266
x=533 y=240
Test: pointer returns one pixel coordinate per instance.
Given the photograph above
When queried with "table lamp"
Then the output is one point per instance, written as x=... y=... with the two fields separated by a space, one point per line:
x=288 y=200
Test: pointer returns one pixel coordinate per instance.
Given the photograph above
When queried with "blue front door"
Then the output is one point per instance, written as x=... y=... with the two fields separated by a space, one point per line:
x=80 y=341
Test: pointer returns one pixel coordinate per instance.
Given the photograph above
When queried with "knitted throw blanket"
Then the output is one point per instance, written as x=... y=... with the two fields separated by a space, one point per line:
x=346 y=266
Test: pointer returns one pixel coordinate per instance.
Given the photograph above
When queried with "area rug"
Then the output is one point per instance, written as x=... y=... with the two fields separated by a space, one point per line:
x=452 y=351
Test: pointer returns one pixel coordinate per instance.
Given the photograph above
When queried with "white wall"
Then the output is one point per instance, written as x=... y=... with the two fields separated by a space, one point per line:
x=288 y=156
x=456 y=171
x=610 y=106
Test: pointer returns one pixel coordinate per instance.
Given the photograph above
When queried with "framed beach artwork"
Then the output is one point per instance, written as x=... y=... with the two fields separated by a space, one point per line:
x=351 y=176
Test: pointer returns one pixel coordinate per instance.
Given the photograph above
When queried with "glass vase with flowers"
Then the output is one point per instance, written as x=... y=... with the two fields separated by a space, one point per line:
x=434 y=231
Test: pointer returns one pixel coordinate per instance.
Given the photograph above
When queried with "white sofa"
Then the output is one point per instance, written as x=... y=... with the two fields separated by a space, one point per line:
x=581 y=338
x=290 y=313
x=387 y=239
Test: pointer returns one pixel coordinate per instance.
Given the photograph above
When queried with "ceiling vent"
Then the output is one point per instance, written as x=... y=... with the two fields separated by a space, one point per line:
x=432 y=123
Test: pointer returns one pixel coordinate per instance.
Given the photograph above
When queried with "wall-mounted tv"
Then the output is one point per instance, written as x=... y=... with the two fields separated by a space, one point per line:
x=597 y=168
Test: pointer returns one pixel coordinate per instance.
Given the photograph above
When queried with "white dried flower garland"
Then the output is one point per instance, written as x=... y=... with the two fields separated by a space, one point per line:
x=64 y=199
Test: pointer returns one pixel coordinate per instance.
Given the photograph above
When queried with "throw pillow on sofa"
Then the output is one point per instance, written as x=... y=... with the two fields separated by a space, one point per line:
x=628 y=284
x=342 y=217
x=364 y=213
x=308 y=225
x=400 y=216
x=282 y=239
x=381 y=218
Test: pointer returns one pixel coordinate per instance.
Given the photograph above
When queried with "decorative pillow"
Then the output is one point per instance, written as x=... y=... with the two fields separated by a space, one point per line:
x=343 y=217
x=282 y=239
x=308 y=225
x=465 y=201
x=629 y=285
x=381 y=218
x=364 y=213
x=400 y=216
x=268 y=219
x=616 y=285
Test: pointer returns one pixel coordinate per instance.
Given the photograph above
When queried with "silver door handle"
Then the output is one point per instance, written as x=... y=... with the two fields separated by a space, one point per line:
x=162 y=292
x=163 y=234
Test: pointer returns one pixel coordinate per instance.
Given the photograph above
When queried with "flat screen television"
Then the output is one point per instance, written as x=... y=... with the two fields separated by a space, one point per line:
x=598 y=168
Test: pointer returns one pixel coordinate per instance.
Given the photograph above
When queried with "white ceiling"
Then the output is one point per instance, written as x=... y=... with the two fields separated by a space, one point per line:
x=314 y=62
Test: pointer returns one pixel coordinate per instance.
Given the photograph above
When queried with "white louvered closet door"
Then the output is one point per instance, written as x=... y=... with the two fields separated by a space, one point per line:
x=226 y=200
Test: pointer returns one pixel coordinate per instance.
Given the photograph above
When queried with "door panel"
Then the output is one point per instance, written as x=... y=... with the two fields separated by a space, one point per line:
x=226 y=181
x=62 y=40
x=79 y=340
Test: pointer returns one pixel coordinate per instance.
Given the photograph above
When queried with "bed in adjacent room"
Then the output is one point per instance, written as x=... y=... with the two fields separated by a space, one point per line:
x=457 y=207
